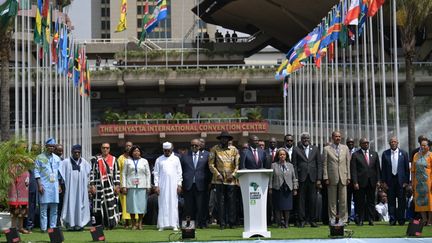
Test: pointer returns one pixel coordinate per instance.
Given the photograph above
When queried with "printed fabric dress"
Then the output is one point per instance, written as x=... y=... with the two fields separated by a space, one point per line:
x=422 y=181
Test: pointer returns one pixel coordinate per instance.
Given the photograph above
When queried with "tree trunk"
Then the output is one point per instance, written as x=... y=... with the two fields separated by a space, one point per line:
x=409 y=89
x=5 y=45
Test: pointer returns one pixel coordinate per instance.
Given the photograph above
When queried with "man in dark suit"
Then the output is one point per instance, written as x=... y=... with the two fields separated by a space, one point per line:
x=350 y=190
x=395 y=174
x=365 y=176
x=308 y=165
x=196 y=180
x=254 y=157
x=271 y=151
x=289 y=142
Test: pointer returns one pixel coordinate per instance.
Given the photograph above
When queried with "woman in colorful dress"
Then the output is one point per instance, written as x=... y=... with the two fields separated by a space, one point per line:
x=421 y=169
x=136 y=182
x=18 y=200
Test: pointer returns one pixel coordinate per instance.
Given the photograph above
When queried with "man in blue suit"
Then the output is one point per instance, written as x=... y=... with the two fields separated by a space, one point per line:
x=254 y=157
x=395 y=174
x=196 y=180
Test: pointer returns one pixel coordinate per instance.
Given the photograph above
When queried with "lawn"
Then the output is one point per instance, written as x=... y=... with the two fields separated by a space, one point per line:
x=150 y=234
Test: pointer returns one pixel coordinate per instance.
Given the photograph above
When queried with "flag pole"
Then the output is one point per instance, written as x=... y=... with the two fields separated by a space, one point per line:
x=17 y=115
x=332 y=90
x=395 y=63
x=29 y=85
x=383 y=75
x=23 y=77
x=336 y=55
x=374 y=115
x=366 y=81
x=358 y=85
x=326 y=95
x=351 y=75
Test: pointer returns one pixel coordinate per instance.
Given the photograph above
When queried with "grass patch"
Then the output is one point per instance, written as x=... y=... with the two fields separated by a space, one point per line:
x=150 y=234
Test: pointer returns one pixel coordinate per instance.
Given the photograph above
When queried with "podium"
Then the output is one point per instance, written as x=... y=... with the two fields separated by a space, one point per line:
x=254 y=188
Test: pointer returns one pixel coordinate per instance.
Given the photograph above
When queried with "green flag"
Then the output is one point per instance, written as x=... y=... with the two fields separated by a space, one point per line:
x=8 y=10
x=144 y=23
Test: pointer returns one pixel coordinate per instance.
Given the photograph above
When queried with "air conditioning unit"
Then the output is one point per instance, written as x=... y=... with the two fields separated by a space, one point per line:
x=95 y=94
x=249 y=96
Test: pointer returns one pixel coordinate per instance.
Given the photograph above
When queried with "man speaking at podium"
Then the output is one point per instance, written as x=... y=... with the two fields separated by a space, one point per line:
x=254 y=157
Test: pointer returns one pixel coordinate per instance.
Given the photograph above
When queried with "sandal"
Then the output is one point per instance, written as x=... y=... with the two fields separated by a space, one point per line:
x=24 y=231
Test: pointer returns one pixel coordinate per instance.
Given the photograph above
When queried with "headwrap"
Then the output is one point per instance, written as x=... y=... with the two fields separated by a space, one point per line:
x=50 y=141
x=76 y=147
x=167 y=145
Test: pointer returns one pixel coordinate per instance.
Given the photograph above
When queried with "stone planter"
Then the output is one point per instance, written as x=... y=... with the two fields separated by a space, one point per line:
x=5 y=220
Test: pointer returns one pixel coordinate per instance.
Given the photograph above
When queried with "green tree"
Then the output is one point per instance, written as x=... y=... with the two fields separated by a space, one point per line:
x=5 y=45
x=413 y=15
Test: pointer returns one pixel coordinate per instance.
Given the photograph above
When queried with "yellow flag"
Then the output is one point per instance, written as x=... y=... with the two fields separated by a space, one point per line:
x=122 y=23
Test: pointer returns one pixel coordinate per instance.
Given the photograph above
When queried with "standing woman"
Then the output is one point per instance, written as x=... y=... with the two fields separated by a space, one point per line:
x=422 y=181
x=283 y=185
x=136 y=182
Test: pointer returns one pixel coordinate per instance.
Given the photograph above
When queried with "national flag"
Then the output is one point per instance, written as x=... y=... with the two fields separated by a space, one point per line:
x=47 y=31
x=312 y=42
x=285 y=86
x=296 y=50
x=351 y=17
x=144 y=23
x=374 y=5
x=55 y=43
x=280 y=71
x=163 y=10
x=294 y=66
x=122 y=25
x=37 y=35
x=77 y=68
x=332 y=33
x=159 y=14
x=8 y=10
x=85 y=85
x=66 y=51
x=45 y=8
x=363 y=16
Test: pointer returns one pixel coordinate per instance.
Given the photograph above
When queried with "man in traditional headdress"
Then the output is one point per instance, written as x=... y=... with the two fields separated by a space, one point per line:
x=76 y=207
x=46 y=173
x=168 y=181
x=105 y=186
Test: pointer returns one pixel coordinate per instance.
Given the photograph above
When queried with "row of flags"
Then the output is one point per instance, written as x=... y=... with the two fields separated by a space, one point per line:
x=343 y=24
x=67 y=56
x=149 y=21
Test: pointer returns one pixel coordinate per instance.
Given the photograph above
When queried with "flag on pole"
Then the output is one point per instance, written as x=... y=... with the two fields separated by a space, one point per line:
x=122 y=25
x=37 y=36
x=77 y=68
x=351 y=18
x=163 y=11
x=8 y=10
x=55 y=43
x=47 y=31
x=144 y=24
x=159 y=14
x=45 y=8
x=374 y=5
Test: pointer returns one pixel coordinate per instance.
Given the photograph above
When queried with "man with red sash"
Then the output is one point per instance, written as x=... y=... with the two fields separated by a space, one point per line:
x=105 y=186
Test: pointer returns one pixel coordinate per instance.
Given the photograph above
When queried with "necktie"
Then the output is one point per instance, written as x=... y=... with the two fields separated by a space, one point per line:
x=394 y=162
x=195 y=159
x=337 y=150
x=273 y=154
x=366 y=156
x=256 y=156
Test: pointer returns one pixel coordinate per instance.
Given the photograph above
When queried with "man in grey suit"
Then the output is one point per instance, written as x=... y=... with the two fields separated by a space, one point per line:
x=308 y=165
x=336 y=175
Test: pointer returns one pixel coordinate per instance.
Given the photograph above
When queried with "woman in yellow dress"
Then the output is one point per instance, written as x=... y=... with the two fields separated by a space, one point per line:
x=421 y=169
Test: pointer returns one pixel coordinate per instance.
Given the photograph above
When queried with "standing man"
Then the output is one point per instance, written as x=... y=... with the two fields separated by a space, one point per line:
x=254 y=157
x=336 y=175
x=289 y=142
x=261 y=144
x=224 y=163
x=121 y=161
x=396 y=175
x=365 y=175
x=350 y=189
x=47 y=176
x=75 y=172
x=168 y=182
x=307 y=163
x=105 y=186
x=271 y=151
x=196 y=180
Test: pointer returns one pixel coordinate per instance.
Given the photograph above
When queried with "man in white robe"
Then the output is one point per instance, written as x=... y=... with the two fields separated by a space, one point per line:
x=75 y=172
x=168 y=180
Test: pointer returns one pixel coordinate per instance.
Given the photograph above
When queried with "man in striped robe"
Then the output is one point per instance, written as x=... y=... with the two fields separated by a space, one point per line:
x=105 y=186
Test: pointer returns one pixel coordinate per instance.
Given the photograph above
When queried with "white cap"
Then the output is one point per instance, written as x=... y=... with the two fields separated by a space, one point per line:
x=167 y=145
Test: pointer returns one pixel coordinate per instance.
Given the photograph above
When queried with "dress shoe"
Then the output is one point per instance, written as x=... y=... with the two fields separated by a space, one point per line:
x=301 y=225
x=371 y=223
x=359 y=223
x=392 y=222
x=175 y=229
x=231 y=226
x=222 y=227
x=313 y=224
x=401 y=222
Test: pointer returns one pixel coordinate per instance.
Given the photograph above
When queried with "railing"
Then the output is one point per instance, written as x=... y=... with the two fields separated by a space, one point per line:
x=181 y=121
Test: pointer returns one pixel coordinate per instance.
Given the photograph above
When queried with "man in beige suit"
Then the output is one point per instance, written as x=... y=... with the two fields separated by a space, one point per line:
x=336 y=175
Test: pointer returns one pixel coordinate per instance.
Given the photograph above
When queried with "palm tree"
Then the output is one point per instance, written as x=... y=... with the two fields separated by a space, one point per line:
x=5 y=45
x=415 y=14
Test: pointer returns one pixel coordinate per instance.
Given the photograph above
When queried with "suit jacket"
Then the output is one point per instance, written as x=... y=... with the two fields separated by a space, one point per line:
x=336 y=168
x=270 y=159
x=201 y=172
x=307 y=166
x=361 y=172
x=247 y=159
x=278 y=176
x=403 y=171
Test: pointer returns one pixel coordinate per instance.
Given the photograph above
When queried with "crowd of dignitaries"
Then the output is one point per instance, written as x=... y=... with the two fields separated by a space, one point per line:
x=202 y=185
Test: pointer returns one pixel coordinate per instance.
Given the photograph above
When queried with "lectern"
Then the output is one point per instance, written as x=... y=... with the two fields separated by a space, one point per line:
x=254 y=188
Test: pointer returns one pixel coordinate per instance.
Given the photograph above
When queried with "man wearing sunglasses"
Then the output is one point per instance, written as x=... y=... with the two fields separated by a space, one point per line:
x=196 y=178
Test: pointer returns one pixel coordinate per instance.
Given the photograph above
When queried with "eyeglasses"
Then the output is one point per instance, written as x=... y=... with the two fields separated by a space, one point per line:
x=289 y=140
x=105 y=147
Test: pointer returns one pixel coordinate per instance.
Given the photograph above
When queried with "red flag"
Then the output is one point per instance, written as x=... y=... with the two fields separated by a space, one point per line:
x=353 y=13
x=331 y=51
x=45 y=8
x=374 y=5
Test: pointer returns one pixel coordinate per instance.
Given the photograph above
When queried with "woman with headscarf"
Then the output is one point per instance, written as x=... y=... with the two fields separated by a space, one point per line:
x=283 y=185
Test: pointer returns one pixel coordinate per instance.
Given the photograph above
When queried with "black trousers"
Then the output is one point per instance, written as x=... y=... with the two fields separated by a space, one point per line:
x=396 y=192
x=226 y=197
x=350 y=192
x=194 y=205
x=307 y=200
x=364 y=200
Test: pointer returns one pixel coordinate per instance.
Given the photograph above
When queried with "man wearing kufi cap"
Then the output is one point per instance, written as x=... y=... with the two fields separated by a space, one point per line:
x=75 y=172
x=168 y=180
x=46 y=173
